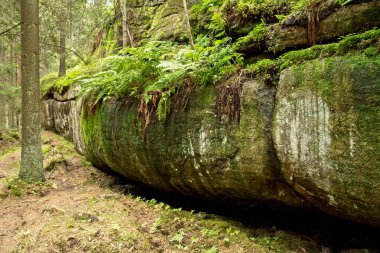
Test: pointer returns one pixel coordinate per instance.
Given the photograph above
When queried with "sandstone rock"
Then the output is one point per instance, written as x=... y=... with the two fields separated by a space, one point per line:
x=64 y=118
x=321 y=149
x=326 y=133
x=345 y=20
x=169 y=22
x=192 y=153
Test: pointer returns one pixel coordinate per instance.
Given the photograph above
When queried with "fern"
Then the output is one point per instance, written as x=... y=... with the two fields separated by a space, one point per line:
x=257 y=35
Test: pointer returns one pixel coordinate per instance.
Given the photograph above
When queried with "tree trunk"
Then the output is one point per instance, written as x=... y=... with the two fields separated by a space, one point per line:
x=31 y=152
x=62 y=46
x=2 y=97
x=188 y=23
x=125 y=28
x=17 y=84
x=12 y=102
x=10 y=80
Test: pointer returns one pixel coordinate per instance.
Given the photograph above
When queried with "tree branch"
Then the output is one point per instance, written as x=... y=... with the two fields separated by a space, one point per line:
x=77 y=54
x=10 y=29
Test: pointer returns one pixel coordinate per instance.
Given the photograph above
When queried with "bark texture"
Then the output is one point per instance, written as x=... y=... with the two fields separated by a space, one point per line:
x=62 y=47
x=31 y=152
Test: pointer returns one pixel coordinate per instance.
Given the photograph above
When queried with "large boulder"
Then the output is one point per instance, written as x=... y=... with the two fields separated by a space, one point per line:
x=327 y=134
x=311 y=142
x=192 y=152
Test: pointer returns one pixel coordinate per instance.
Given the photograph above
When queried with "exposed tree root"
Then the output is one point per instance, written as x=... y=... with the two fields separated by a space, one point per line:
x=181 y=98
x=312 y=22
x=148 y=110
x=228 y=100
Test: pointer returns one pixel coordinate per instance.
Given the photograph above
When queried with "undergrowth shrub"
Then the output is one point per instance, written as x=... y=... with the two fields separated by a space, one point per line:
x=257 y=35
x=227 y=18
x=153 y=73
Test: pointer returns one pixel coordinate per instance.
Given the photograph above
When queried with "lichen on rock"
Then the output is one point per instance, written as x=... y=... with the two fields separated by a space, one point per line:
x=327 y=136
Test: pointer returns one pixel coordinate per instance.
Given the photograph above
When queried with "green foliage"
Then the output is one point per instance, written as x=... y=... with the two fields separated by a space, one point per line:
x=9 y=90
x=261 y=9
x=213 y=249
x=110 y=44
x=10 y=135
x=298 y=56
x=217 y=24
x=207 y=16
x=367 y=43
x=301 y=7
x=48 y=83
x=16 y=187
x=118 y=76
x=265 y=68
x=371 y=51
x=216 y=17
x=156 y=68
x=7 y=69
x=358 y=42
x=257 y=35
x=350 y=43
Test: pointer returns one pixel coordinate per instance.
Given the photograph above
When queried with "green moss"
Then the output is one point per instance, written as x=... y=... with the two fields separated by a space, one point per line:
x=231 y=17
x=358 y=42
x=11 y=135
x=168 y=22
x=55 y=162
x=261 y=8
x=346 y=91
x=367 y=43
x=294 y=57
x=265 y=69
x=17 y=187
x=371 y=51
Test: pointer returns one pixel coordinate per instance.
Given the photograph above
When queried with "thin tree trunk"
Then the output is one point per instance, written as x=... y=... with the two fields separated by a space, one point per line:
x=12 y=103
x=125 y=28
x=62 y=46
x=188 y=23
x=8 y=82
x=17 y=84
x=2 y=97
x=31 y=152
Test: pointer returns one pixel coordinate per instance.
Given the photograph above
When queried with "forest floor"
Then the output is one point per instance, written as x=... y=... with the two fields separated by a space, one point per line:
x=82 y=209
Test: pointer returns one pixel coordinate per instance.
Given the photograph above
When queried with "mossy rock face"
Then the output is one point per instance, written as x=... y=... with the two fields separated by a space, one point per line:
x=192 y=153
x=64 y=118
x=348 y=19
x=327 y=134
x=312 y=141
x=169 y=22
x=155 y=20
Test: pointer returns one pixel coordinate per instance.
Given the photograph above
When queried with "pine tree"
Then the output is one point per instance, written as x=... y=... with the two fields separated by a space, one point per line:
x=31 y=151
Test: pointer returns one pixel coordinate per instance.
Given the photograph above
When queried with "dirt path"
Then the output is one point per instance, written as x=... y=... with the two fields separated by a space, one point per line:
x=81 y=209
